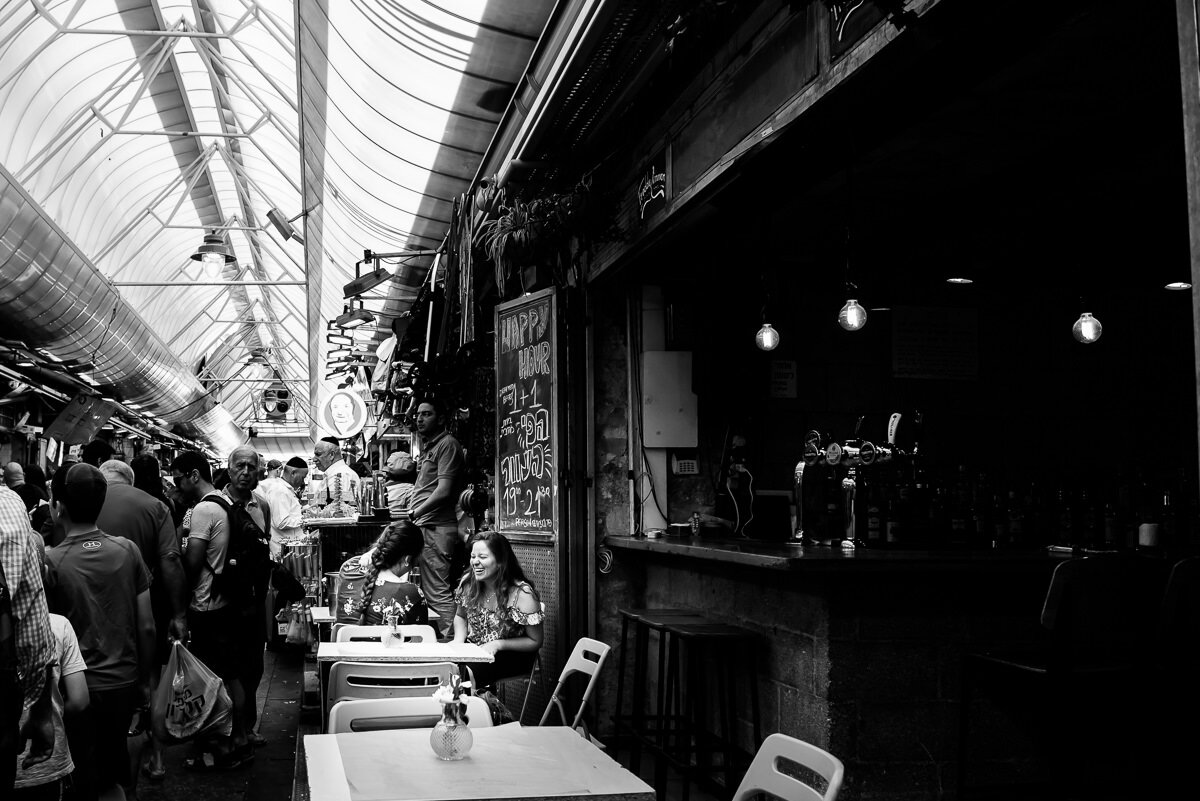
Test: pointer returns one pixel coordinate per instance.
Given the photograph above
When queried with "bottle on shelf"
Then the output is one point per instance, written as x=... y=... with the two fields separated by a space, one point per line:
x=875 y=512
x=1148 y=521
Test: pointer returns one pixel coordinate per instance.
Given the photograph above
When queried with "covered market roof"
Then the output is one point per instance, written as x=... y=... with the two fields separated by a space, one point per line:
x=293 y=135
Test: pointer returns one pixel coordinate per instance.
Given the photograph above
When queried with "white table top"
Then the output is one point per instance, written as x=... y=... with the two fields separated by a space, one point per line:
x=457 y=652
x=321 y=614
x=506 y=762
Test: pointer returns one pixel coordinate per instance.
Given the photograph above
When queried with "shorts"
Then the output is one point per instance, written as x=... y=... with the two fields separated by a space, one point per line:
x=214 y=639
x=98 y=740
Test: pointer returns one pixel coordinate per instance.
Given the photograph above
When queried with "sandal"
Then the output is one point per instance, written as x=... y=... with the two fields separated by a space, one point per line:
x=215 y=762
x=152 y=773
x=255 y=739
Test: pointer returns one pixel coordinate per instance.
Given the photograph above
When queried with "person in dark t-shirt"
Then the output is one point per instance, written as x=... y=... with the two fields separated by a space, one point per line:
x=101 y=585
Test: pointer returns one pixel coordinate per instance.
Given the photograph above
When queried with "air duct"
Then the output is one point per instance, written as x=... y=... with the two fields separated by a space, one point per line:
x=54 y=298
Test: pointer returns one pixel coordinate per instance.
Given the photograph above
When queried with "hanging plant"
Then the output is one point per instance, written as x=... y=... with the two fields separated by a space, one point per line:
x=550 y=232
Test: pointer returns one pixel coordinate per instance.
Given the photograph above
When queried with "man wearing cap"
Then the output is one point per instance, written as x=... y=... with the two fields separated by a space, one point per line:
x=14 y=479
x=282 y=496
x=340 y=482
x=100 y=583
x=274 y=469
x=401 y=471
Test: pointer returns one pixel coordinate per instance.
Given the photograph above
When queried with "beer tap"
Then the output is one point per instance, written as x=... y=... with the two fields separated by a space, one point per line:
x=811 y=456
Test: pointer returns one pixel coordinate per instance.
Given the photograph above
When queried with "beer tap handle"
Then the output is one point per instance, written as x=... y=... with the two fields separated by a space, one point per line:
x=893 y=425
x=858 y=426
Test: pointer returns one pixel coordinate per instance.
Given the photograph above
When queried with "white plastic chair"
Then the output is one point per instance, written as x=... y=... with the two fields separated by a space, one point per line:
x=350 y=632
x=764 y=775
x=587 y=658
x=374 y=714
x=354 y=680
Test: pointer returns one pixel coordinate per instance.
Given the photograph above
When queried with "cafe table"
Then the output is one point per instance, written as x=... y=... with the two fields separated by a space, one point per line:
x=506 y=762
x=330 y=652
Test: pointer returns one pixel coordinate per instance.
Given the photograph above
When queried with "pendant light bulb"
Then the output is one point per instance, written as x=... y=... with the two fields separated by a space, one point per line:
x=852 y=316
x=211 y=264
x=767 y=337
x=1087 y=329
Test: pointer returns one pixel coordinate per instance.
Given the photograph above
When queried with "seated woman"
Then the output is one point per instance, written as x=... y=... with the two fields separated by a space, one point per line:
x=498 y=609
x=370 y=586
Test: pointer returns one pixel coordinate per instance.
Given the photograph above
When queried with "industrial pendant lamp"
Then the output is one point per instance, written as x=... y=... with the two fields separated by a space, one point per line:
x=213 y=254
x=353 y=318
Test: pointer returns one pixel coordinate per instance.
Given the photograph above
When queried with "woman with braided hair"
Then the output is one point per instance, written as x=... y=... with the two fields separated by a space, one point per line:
x=374 y=585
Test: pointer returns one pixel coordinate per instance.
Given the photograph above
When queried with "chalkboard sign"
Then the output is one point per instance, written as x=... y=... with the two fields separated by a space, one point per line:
x=527 y=415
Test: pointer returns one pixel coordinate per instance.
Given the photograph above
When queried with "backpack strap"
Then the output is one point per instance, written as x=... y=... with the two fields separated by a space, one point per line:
x=223 y=502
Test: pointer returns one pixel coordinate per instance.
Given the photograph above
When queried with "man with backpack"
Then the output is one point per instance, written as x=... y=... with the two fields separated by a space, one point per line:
x=227 y=560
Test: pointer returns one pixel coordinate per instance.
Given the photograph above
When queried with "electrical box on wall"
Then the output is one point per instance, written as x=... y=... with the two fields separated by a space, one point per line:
x=668 y=403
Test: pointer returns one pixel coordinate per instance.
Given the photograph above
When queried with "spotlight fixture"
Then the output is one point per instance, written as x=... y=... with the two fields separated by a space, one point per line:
x=1087 y=329
x=213 y=254
x=960 y=281
x=1178 y=286
x=284 y=224
x=365 y=283
x=353 y=318
x=853 y=316
x=767 y=337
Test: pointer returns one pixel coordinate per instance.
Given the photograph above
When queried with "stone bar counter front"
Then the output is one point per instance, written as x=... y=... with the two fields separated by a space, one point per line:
x=860 y=650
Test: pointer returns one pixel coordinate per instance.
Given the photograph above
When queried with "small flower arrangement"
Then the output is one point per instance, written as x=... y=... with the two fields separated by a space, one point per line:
x=450 y=692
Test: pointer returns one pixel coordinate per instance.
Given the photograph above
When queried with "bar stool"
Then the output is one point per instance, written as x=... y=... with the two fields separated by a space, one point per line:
x=728 y=648
x=642 y=729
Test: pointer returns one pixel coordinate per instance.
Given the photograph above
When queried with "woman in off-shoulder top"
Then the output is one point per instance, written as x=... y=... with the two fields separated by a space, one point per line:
x=498 y=609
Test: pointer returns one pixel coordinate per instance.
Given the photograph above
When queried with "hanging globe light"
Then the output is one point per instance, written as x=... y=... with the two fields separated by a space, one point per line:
x=853 y=316
x=767 y=337
x=1087 y=329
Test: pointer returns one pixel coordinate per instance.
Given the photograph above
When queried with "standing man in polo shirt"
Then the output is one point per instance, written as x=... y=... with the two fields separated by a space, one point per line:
x=440 y=471
x=100 y=584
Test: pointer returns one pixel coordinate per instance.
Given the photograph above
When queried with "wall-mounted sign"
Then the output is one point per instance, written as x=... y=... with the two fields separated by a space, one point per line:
x=343 y=414
x=783 y=378
x=652 y=186
x=937 y=343
x=81 y=420
x=527 y=415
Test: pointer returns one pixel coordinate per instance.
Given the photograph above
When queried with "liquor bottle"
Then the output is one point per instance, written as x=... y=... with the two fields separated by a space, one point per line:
x=1166 y=522
x=958 y=509
x=895 y=516
x=1000 y=525
x=1148 y=521
x=1065 y=535
x=1089 y=521
x=1112 y=527
x=1016 y=519
x=875 y=510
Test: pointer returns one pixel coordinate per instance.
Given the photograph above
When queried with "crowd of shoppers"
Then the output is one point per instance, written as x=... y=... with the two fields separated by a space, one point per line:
x=109 y=563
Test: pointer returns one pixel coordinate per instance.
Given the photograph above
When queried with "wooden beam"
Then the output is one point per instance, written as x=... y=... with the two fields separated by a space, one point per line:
x=1189 y=74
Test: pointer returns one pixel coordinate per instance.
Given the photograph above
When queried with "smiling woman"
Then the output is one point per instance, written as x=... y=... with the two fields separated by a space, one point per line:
x=498 y=609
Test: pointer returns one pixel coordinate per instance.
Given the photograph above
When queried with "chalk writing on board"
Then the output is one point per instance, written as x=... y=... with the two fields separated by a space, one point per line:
x=525 y=424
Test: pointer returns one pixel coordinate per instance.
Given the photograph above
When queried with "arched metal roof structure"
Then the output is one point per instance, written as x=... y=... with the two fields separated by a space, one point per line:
x=130 y=129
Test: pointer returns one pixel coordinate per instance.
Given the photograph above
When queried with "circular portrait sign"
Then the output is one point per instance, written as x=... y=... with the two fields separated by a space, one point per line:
x=344 y=414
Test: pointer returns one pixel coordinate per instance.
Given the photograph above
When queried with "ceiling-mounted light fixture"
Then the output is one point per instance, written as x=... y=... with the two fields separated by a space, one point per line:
x=960 y=280
x=852 y=316
x=284 y=224
x=353 y=318
x=339 y=339
x=1178 y=286
x=213 y=254
x=365 y=283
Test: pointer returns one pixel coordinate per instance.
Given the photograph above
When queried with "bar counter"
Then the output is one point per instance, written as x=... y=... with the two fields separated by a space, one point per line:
x=859 y=651
x=782 y=555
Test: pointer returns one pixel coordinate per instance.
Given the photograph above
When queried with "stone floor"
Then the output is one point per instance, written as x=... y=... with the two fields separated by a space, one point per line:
x=269 y=777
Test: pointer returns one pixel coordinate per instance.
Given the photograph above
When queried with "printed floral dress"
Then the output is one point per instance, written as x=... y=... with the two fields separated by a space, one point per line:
x=485 y=625
x=403 y=598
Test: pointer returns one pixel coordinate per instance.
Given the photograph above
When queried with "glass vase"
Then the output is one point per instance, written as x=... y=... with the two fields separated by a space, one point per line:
x=450 y=737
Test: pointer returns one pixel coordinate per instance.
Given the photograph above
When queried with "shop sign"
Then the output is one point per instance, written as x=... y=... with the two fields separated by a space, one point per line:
x=81 y=420
x=783 y=378
x=652 y=186
x=343 y=414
